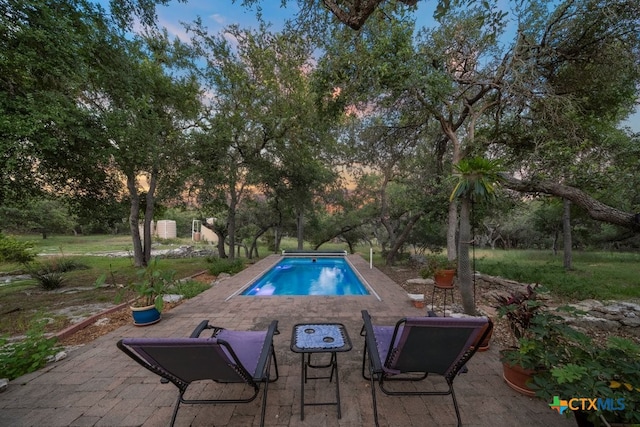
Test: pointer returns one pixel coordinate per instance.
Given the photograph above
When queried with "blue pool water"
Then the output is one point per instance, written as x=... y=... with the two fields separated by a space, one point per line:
x=308 y=276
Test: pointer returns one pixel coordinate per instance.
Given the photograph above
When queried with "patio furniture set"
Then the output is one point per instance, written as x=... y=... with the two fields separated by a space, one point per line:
x=408 y=351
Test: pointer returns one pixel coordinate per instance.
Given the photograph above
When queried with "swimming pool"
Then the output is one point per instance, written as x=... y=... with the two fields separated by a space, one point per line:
x=308 y=276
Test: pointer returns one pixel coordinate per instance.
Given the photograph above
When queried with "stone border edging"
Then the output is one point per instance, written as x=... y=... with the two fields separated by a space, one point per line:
x=92 y=319
x=86 y=322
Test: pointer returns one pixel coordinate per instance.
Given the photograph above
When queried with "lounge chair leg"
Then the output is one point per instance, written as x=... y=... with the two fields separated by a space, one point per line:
x=275 y=365
x=264 y=402
x=373 y=396
x=175 y=410
x=455 y=405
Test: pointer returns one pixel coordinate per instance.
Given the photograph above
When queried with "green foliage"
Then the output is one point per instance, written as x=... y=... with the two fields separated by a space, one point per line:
x=50 y=274
x=436 y=263
x=568 y=363
x=542 y=339
x=21 y=357
x=477 y=178
x=48 y=280
x=609 y=371
x=191 y=288
x=61 y=265
x=598 y=275
x=152 y=284
x=12 y=250
x=149 y=287
x=223 y=265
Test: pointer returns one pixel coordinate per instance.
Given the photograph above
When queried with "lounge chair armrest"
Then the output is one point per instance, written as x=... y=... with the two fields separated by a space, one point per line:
x=202 y=326
x=198 y=330
x=370 y=342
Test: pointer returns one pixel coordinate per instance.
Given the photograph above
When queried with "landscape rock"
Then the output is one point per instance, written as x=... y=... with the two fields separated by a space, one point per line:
x=631 y=322
x=4 y=383
x=416 y=297
x=594 y=323
x=172 y=298
x=426 y=282
x=57 y=357
x=622 y=317
x=102 y=321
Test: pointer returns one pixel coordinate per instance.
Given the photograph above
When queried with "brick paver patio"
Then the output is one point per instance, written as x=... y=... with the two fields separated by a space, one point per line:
x=98 y=385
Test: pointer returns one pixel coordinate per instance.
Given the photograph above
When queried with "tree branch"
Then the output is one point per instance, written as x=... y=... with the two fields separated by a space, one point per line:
x=354 y=13
x=594 y=208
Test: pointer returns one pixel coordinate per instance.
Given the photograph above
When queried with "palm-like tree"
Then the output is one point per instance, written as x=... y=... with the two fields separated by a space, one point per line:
x=477 y=181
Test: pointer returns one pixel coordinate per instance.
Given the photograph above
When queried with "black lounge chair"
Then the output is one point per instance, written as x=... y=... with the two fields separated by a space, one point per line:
x=226 y=357
x=416 y=347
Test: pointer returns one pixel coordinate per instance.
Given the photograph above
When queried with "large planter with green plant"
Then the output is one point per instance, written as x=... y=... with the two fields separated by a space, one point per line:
x=599 y=383
x=541 y=339
x=146 y=293
x=518 y=378
x=149 y=289
x=144 y=316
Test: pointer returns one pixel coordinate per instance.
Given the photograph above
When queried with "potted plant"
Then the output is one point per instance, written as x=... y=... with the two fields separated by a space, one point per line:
x=146 y=293
x=441 y=269
x=541 y=339
x=417 y=300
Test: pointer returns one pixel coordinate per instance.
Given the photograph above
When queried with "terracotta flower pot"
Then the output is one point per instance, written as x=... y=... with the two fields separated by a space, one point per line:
x=418 y=303
x=484 y=344
x=517 y=378
x=444 y=278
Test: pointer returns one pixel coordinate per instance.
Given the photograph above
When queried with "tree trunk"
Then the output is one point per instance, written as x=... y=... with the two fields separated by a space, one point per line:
x=465 y=280
x=566 y=234
x=222 y=236
x=278 y=240
x=399 y=241
x=231 y=225
x=253 y=251
x=148 y=216
x=452 y=228
x=300 y=226
x=449 y=129
x=134 y=216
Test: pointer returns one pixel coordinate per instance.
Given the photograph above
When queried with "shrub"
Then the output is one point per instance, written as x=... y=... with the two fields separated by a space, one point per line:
x=12 y=250
x=21 y=357
x=63 y=265
x=222 y=265
x=49 y=280
x=191 y=288
x=47 y=276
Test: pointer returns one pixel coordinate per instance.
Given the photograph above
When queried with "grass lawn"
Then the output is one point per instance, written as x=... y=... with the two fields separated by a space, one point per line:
x=599 y=275
x=23 y=300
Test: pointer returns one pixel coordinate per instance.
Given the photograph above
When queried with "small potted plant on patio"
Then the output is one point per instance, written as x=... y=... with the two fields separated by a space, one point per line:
x=441 y=269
